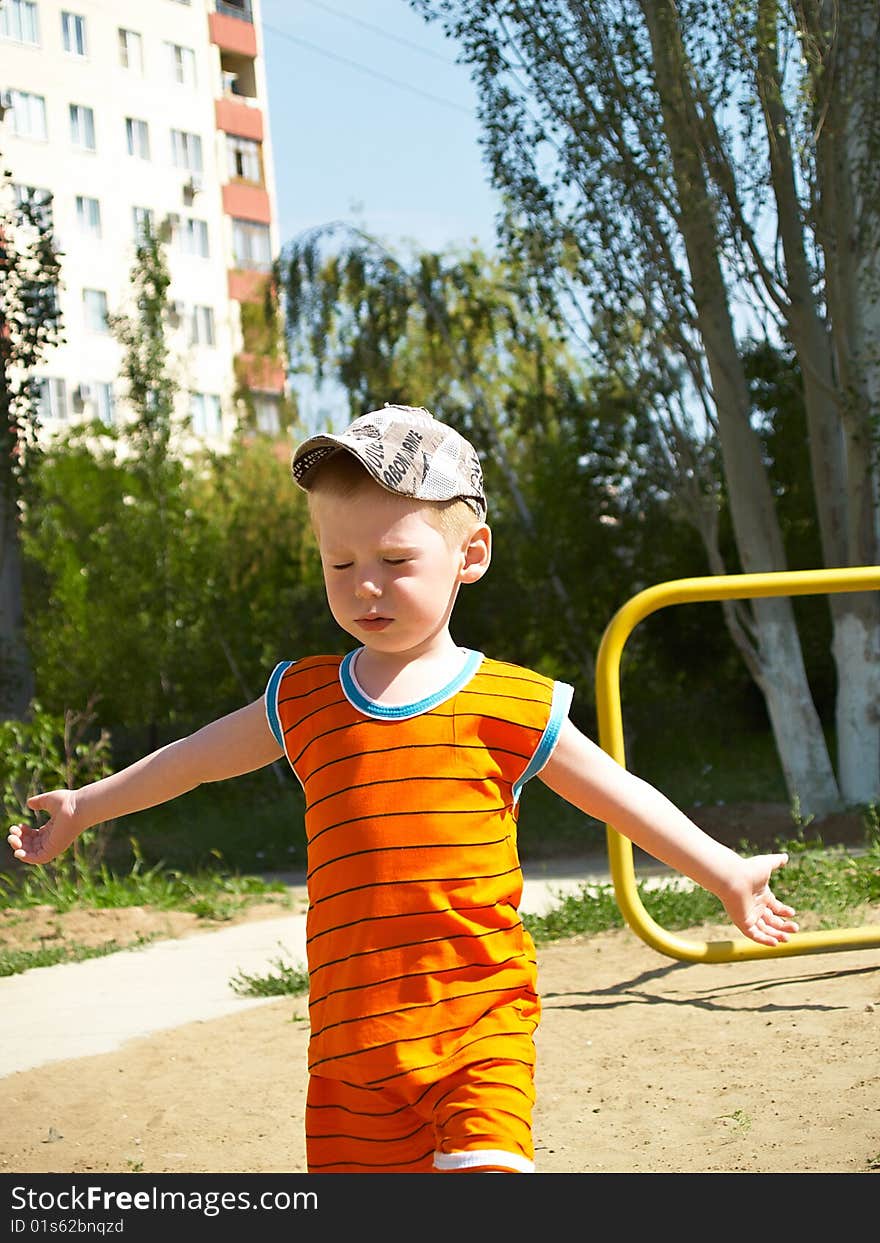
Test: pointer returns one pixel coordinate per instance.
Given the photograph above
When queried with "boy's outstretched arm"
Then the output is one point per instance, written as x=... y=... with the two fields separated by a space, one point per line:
x=586 y=776
x=234 y=744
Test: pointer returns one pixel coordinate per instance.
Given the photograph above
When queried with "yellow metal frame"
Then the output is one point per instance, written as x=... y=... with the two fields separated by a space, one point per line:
x=608 y=707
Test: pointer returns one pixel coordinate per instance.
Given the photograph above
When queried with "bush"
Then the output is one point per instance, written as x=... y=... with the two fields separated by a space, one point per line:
x=51 y=752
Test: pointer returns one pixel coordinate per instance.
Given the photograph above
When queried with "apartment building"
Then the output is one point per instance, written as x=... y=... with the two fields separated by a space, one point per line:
x=142 y=111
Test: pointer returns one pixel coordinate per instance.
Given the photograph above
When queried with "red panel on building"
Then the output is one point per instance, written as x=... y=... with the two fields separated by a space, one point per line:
x=247 y=202
x=246 y=285
x=232 y=34
x=262 y=374
x=235 y=118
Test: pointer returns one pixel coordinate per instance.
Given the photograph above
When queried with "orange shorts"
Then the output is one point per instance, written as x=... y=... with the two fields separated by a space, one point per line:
x=477 y=1118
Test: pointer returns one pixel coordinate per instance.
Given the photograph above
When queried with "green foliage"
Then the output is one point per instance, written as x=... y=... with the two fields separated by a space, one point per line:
x=835 y=885
x=288 y=979
x=170 y=622
x=578 y=497
x=30 y=324
x=592 y=909
x=836 y=888
x=212 y=893
x=152 y=388
x=676 y=180
x=14 y=961
x=49 y=752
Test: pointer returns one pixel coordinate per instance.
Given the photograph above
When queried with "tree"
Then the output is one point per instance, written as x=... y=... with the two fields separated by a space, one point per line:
x=30 y=324
x=710 y=169
x=164 y=580
x=245 y=584
x=457 y=333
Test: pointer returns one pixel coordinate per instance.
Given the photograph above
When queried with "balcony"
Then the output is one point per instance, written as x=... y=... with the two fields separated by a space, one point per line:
x=246 y=201
x=260 y=374
x=247 y=284
x=233 y=117
x=232 y=35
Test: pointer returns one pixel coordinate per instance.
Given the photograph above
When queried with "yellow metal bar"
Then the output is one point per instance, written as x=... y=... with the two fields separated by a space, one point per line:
x=608 y=708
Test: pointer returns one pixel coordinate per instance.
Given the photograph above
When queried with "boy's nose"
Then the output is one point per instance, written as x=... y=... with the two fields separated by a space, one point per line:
x=367 y=589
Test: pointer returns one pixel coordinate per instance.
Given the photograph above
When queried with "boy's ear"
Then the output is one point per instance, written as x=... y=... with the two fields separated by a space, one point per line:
x=476 y=554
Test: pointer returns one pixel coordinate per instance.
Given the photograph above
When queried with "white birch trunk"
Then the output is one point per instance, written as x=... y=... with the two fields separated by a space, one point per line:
x=801 y=746
x=777 y=658
x=847 y=158
x=856 y=648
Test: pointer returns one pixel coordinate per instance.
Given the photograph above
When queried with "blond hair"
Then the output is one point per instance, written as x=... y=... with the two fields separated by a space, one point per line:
x=341 y=476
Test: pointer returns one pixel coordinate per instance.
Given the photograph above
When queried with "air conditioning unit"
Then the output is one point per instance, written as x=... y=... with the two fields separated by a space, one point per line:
x=191 y=188
x=230 y=84
x=83 y=394
x=176 y=313
x=5 y=103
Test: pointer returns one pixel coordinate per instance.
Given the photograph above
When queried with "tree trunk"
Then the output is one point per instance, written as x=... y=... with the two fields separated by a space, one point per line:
x=16 y=679
x=835 y=464
x=846 y=43
x=782 y=676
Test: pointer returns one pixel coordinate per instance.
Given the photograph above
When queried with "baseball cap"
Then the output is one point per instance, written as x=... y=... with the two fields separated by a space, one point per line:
x=407 y=451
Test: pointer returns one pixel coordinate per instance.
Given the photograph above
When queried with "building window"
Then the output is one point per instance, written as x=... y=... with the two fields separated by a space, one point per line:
x=36 y=203
x=144 y=224
x=190 y=236
x=204 y=409
x=82 y=127
x=267 y=414
x=186 y=150
x=73 y=33
x=28 y=115
x=131 y=50
x=88 y=215
x=201 y=326
x=18 y=21
x=52 y=400
x=137 y=138
x=243 y=160
x=105 y=403
x=181 y=64
x=95 y=307
x=235 y=8
x=251 y=245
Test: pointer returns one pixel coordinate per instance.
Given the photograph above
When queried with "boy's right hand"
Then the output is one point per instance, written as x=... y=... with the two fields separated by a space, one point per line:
x=48 y=840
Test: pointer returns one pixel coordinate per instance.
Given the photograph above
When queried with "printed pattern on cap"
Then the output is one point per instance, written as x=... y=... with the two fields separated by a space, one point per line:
x=407 y=451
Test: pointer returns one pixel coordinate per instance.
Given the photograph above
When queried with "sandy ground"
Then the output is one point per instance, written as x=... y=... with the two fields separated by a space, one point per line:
x=646 y=1065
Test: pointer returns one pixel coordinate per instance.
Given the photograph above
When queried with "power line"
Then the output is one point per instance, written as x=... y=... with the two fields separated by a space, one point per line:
x=350 y=17
x=374 y=73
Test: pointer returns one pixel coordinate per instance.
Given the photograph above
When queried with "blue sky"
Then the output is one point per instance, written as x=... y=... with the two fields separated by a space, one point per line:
x=372 y=122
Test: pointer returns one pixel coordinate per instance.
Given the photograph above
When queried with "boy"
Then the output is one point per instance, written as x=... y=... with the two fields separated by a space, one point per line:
x=412 y=753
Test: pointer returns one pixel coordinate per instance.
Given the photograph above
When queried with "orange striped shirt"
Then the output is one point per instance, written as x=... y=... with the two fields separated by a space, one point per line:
x=416 y=951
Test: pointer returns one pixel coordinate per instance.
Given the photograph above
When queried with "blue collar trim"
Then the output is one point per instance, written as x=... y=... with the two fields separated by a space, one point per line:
x=400 y=712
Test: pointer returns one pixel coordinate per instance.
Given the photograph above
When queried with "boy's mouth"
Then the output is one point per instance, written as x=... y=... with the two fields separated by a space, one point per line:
x=373 y=622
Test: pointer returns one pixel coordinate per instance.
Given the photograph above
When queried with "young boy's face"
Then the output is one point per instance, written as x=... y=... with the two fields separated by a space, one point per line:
x=391 y=576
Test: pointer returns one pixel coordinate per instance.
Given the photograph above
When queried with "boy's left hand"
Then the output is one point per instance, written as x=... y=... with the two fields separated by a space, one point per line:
x=752 y=906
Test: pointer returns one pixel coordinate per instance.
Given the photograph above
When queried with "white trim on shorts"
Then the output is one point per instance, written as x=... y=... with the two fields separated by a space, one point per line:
x=484 y=1156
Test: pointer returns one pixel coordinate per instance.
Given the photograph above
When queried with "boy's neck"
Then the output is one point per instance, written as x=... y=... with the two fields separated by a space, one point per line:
x=404 y=677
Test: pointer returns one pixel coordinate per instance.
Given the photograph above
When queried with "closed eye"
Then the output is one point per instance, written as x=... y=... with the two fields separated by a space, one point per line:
x=395 y=560
x=342 y=565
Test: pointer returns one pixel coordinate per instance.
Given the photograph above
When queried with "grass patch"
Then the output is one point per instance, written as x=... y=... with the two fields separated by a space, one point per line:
x=288 y=980
x=13 y=961
x=834 y=887
x=216 y=895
